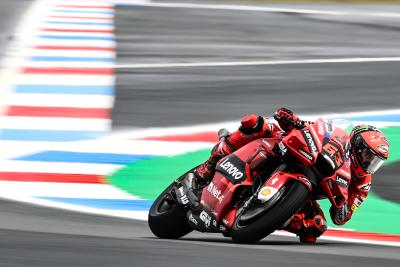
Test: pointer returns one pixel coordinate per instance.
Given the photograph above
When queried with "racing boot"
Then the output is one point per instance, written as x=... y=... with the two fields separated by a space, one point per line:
x=309 y=224
x=205 y=172
x=313 y=228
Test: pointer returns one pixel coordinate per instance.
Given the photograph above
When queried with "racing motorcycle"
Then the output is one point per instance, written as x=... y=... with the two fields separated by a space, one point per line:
x=258 y=188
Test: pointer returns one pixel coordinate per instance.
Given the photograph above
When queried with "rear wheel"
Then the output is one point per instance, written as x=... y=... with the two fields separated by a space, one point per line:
x=256 y=221
x=167 y=218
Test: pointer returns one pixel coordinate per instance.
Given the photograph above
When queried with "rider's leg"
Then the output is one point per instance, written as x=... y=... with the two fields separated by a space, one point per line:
x=309 y=223
x=252 y=127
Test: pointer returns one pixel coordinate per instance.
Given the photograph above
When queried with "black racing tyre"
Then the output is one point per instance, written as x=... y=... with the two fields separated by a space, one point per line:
x=292 y=198
x=166 y=219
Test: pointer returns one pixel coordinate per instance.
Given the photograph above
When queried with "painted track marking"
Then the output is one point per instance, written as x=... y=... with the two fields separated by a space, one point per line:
x=273 y=9
x=260 y=63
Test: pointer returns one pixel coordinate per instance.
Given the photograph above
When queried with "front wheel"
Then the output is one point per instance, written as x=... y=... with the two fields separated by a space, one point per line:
x=167 y=218
x=254 y=223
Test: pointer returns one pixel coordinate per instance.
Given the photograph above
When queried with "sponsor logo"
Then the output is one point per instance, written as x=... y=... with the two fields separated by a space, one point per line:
x=193 y=220
x=358 y=201
x=266 y=143
x=265 y=191
x=215 y=192
x=354 y=207
x=282 y=147
x=342 y=181
x=365 y=187
x=383 y=148
x=231 y=169
x=225 y=221
x=273 y=181
x=205 y=218
x=184 y=199
x=356 y=204
x=306 y=155
x=310 y=141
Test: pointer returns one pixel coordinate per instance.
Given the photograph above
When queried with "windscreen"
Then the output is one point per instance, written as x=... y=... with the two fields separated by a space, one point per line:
x=340 y=130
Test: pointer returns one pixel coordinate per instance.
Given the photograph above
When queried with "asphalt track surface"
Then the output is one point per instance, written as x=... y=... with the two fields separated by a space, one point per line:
x=10 y=13
x=34 y=236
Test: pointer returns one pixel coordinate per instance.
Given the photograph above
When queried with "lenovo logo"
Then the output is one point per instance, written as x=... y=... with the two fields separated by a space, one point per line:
x=310 y=141
x=231 y=169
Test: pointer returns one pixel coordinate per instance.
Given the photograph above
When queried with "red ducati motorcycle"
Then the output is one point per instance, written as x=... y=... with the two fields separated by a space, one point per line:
x=258 y=188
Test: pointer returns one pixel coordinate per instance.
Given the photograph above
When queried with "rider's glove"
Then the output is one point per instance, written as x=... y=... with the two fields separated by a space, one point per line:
x=340 y=215
x=287 y=120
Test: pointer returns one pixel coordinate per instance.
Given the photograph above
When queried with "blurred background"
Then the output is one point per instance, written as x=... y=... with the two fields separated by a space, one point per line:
x=104 y=102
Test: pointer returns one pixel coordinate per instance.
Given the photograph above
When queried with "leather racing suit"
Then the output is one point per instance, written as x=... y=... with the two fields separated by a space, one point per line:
x=309 y=223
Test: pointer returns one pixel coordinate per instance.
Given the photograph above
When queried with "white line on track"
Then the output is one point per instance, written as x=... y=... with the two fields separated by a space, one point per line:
x=57 y=167
x=60 y=124
x=60 y=100
x=83 y=9
x=43 y=79
x=64 y=42
x=260 y=63
x=74 y=14
x=76 y=34
x=15 y=149
x=274 y=9
x=67 y=190
x=64 y=18
x=134 y=215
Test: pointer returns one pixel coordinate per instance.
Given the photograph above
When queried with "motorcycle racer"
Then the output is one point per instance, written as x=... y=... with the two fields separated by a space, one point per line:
x=368 y=150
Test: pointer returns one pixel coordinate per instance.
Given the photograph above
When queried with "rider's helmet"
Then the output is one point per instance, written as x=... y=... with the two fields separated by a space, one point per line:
x=369 y=149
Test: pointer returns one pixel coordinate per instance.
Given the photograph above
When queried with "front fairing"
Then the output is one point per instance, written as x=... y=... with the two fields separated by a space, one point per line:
x=324 y=146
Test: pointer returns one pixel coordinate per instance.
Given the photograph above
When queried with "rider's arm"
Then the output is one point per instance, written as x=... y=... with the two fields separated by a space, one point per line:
x=289 y=121
x=358 y=191
x=251 y=128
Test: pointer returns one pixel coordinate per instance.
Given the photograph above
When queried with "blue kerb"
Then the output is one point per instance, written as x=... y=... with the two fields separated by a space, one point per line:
x=80 y=157
x=109 y=204
x=64 y=89
x=48 y=135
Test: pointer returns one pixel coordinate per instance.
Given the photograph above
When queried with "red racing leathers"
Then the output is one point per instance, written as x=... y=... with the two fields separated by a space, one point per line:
x=310 y=222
